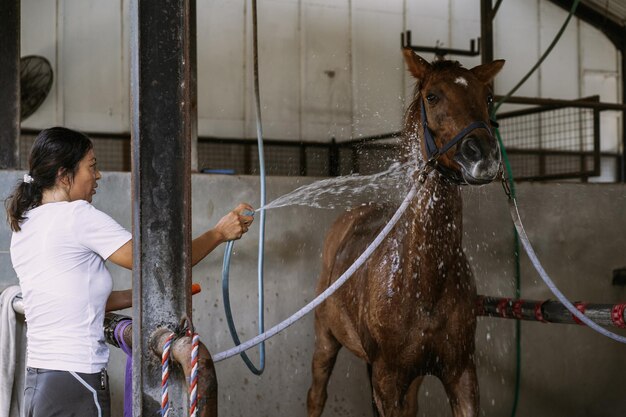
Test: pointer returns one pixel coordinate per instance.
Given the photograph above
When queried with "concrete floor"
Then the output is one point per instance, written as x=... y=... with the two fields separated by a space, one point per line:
x=578 y=232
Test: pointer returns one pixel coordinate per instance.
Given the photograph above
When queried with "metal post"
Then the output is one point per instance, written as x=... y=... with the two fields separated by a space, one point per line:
x=623 y=159
x=486 y=31
x=9 y=84
x=192 y=91
x=550 y=311
x=333 y=159
x=302 y=153
x=356 y=168
x=597 y=162
x=161 y=127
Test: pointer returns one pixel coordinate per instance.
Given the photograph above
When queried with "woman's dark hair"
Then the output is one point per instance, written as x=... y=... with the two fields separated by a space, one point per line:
x=56 y=152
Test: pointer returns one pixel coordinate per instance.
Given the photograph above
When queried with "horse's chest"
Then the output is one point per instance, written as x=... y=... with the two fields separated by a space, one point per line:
x=414 y=304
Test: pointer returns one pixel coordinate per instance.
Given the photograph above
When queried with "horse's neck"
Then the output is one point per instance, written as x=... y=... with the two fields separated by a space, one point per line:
x=436 y=231
x=438 y=208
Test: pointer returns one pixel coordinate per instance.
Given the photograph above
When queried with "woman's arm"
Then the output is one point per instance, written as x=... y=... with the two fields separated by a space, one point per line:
x=123 y=256
x=230 y=227
x=119 y=300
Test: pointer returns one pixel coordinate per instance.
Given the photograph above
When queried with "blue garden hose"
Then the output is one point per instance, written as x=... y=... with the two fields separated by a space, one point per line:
x=229 y=245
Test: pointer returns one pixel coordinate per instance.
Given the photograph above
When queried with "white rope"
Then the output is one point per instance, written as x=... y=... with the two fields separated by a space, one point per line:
x=542 y=273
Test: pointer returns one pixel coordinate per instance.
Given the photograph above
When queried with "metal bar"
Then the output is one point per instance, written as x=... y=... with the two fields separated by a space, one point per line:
x=10 y=84
x=405 y=39
x=550 y=177
x=364 y=139
x=526 y=112
x=591 y=100
x=447 y=51
x=495 y=9
x=191 y=55
x=254 y=142
x=355 y=159
x=584 y=103
x=303 y=165
x=381 y=146
x=540 y=148
x=212 y=139
x=596 y=142
x=247 y=157
x=550 y=152
x=93 y=135
x=161 y=130
x=333 y=159
x=623 y=159
x=486 y=30
x=549 y=311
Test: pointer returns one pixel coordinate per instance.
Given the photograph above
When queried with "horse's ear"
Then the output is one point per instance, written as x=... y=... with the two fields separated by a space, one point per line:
x=418 y=66
x=487 y=72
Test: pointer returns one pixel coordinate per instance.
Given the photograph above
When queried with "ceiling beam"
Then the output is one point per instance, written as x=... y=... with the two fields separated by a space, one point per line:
x=613 y=30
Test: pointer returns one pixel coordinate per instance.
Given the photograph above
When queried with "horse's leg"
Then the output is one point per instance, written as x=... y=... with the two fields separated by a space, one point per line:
x=395 y=392
x=374 y=409
x=412 y=396
x=463 y=393
x=324 y=356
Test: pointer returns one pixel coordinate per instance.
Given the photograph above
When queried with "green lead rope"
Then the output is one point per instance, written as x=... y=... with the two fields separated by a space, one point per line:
x=518 y=285
x=511 y=181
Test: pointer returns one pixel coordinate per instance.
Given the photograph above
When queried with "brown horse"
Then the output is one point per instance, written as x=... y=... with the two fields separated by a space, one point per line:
x=409 y=311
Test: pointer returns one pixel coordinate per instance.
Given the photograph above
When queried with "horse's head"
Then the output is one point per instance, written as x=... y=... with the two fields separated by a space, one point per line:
x=450 y=115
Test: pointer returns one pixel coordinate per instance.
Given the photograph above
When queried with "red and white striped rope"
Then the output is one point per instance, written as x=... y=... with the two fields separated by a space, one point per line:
x=165 y=374
x=193 y=383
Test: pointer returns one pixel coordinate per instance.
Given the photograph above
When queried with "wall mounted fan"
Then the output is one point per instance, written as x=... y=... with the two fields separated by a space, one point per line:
x=35 y=82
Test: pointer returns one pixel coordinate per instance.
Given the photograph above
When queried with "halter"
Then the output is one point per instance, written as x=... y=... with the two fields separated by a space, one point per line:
x=433 y=152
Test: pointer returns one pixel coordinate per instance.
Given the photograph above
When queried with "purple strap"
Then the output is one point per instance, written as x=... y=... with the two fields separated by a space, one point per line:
x=128 y=379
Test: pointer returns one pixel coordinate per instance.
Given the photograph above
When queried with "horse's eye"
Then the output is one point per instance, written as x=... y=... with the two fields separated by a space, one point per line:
x=490 y=99
x=431 y=98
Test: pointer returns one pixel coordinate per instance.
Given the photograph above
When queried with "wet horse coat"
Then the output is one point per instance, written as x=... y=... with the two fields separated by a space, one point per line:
x=409 y=311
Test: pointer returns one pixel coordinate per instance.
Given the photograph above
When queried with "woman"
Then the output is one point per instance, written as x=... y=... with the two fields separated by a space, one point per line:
x=59 y=246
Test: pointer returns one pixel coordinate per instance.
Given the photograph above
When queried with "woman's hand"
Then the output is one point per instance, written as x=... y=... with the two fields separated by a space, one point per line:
x=234 y=224
x=230 y=227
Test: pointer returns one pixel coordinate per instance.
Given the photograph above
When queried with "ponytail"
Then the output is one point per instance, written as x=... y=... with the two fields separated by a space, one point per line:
x=25 y=197
x=56 y=150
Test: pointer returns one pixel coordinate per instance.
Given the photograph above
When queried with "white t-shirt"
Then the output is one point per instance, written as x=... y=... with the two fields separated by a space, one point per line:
x=59 y=259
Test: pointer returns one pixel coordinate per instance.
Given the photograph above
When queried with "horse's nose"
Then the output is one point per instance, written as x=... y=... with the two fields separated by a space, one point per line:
x=471 y=149
x=479 y=158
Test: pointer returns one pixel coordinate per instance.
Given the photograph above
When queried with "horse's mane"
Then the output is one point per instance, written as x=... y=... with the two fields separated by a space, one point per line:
x=444 y=64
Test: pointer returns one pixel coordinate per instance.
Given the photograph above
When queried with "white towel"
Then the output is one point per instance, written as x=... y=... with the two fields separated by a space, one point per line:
x=10 y=342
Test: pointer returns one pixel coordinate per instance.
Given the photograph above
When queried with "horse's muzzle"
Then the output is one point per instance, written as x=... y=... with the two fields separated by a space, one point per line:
x=479 y=158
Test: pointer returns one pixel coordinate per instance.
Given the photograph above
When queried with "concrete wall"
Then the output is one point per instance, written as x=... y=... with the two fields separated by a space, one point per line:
x=567 y=370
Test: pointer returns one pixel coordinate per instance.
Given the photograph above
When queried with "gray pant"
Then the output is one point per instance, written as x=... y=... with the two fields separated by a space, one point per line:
x=49 y=393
